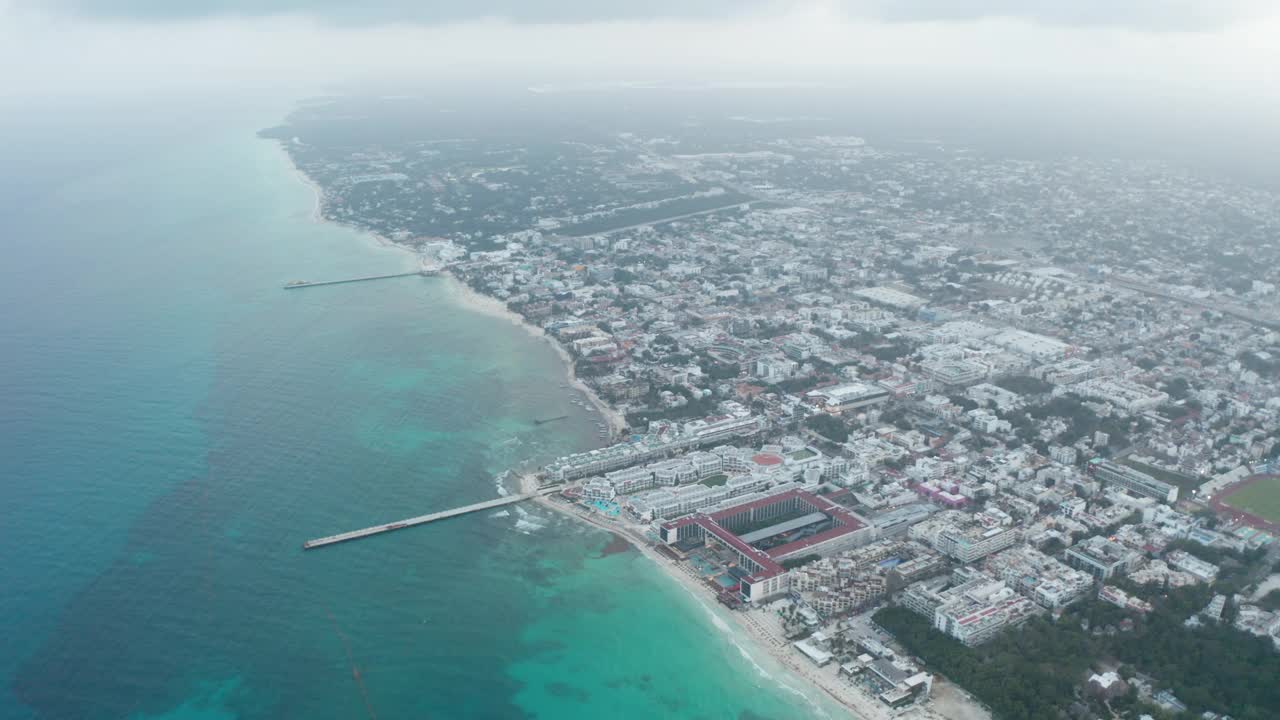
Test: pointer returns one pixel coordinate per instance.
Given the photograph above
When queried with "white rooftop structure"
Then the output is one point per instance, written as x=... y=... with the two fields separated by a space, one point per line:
x=1032 y=345
x=891 y=297
x=849 y=395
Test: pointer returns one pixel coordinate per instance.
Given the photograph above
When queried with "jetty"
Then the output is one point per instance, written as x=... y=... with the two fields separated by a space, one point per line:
x=419 y=520
x=299 y=284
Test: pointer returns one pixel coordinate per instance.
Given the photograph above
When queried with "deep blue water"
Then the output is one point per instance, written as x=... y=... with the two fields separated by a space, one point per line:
x=173 y=425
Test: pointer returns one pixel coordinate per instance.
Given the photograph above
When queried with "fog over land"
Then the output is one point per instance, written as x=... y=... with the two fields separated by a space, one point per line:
x=1187 y=77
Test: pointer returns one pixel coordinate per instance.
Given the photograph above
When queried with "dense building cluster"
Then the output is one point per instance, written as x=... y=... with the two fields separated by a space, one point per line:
x=984 y=389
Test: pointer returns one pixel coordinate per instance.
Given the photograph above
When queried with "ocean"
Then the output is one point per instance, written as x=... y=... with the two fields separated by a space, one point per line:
x=173 y=425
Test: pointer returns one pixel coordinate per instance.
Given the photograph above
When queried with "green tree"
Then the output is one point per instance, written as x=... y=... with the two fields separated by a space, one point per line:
x=828 y=426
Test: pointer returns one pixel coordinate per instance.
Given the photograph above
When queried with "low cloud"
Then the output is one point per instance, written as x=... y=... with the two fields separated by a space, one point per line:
x=1153 y=15
x=153 y=47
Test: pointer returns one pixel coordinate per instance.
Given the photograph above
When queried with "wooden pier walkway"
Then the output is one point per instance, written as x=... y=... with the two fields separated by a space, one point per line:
x=420 y=520
x=297 y=285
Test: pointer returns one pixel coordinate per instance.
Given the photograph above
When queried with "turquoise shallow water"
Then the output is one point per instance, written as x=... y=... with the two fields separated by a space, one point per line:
x=174 y=425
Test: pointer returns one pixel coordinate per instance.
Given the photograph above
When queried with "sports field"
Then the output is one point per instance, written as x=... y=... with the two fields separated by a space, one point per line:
x=1260 y=497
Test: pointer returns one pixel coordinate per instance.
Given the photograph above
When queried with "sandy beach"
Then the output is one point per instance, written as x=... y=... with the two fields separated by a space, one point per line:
x=317 y=209
x=472 y=300
x=761 y=633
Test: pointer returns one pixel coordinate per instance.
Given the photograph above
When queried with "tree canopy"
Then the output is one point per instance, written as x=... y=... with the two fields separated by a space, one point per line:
x=1032 y=672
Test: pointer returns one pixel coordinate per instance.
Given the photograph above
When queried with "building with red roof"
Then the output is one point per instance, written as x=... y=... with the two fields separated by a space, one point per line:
x=766 y=577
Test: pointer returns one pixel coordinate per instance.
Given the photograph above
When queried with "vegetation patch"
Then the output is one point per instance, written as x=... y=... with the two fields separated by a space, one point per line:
x=828 y=426
x=1036 y=672
x=1024 y=385
x=1185 y=483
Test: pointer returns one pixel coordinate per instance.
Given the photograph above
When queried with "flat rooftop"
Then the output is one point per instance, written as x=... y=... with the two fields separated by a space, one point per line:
x=782 y=527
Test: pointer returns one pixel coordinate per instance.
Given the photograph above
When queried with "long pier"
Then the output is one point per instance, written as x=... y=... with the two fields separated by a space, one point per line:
x=296 y=285
x=420 y=520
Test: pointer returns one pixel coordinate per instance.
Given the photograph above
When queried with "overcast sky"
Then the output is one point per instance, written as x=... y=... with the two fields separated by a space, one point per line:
x=1222 y=52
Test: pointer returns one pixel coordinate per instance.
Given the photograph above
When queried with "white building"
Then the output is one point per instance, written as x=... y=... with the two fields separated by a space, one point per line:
x=1102 y=558
x=1038 y=347
x=1124 y=394
x=1203 y=571
x=598 y=489
x=850 y=396
x=1064 y=454
x=950 y=373
x=1048 y=582
x=972 y=607
x=892 y=298
x=964 y=537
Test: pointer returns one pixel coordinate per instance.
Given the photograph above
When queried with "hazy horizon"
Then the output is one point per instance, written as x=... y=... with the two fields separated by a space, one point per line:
x=1196 y=75
x=1202 y=53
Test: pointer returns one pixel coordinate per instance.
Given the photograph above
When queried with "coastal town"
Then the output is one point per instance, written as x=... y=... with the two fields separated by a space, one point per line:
x=949 y=434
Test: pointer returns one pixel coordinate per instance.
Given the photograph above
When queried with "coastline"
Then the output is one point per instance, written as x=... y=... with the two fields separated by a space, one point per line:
x=470 y=299
x=762 y=637
x=317 y=193
x=317 y=208
x=755 y=626
x=752 y=627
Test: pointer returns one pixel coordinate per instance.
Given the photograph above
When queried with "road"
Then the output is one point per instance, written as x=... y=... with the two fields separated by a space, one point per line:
x=673 y=218
x=1236 y=312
